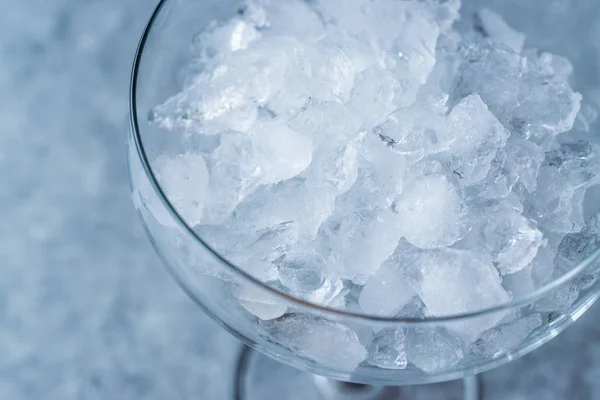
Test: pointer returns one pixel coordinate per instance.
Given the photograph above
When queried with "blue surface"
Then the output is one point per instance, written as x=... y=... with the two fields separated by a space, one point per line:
x=86 y=309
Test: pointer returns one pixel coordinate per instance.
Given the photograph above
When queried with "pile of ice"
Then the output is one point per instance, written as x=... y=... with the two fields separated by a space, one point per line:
x=371 y=157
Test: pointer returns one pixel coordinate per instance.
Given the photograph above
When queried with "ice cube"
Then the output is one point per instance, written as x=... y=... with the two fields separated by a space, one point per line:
x=387 y=291
x=547 y=105
x=577 y=247
x=415 y=131
x=559 y=300
x=376 y=185
x=185 y=180
x=430 y=213
x=440 y=81
x=259 y=302
x=432 y=350
x=292 y=18
x=492 y=72
x=235 y=35
x=578 y=162
x=226 y=95
x=360 y=242
x=327 y=343
x=574 y=248
x=208 y=106
x=526 y=159
x=493 y=26
x=254 y=251
x=510 y=239
x=305 y=274
x=507 y=337
x=281 y=152
x=387 y=350
x=439 y=279
x=335 y=62
x=234 y=173
x=334 y=168
x=374 y=96
x=555 y=203
x=533 y=276
x=520 y=283
x=328 y=121
x=499 y=182
x=290 y=200
x=478 y=135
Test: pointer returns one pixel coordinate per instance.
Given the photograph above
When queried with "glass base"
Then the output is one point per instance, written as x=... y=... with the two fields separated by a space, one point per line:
x=259 y=377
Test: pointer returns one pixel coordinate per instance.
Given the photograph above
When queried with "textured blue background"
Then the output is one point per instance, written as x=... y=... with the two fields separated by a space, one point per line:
x=86 y=309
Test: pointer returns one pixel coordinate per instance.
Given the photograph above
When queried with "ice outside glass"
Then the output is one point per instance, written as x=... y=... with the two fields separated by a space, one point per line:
x=311 y=338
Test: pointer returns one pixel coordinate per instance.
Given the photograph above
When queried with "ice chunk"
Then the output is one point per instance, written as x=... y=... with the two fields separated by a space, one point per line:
x=286 y=201
x=432 y=350
x=492 y=72
x=375 y=95
x=259 y=302
x=207 y=106
x=529 y=94
x=335 y=166
x=415 y=131
x=556 y=204
x=291 y=18
x=227 y=96
x=478 y=135
x=335 y=62
x=559 y=300
x=439 y=279
x=577 y=247
x=499 y=182
x=520 y=283
x=493 y=26
x=328 y=121
x=305 y=274
x=430 y=213
x=507 y=337
x=376 y=186
x=526 y=159
x=574 y=249
x=547 y=105
x=510 y=239
x=184 y=178
x=235 y=35
x=330 y=344
x=578 y=162
x=254 y=251
x=533 y=276
x=360 y=242
x=234 y=173
x=391 y=20
x=387 y=291
x=281 y=152
x=387 y=349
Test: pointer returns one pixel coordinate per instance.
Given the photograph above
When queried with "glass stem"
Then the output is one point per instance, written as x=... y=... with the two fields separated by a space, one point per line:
x=335 y=390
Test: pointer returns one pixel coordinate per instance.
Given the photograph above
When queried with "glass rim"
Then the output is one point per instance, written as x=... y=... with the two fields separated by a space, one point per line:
x=516 y=302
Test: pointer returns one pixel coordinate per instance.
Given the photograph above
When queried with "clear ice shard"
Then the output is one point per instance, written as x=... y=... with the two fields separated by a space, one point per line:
x=387 y=291
x=387 y=349
x=430 y=212
x=507 y=337
x=185 y=180
x=439 y=276
x=331 y=344
x=432 y=350
x=479 y=136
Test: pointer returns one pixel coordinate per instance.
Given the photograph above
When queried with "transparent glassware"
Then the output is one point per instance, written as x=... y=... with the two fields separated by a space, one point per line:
x=343 y=342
